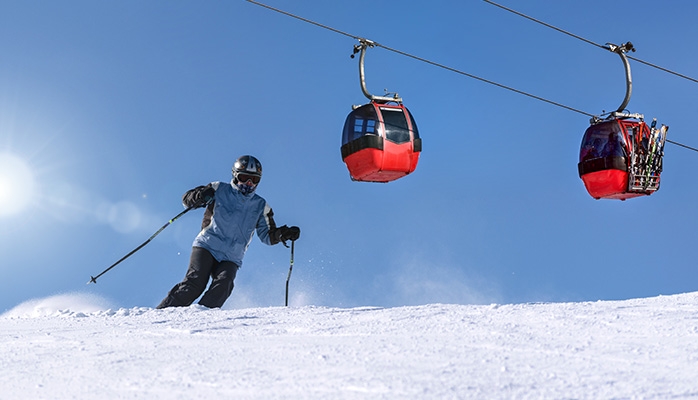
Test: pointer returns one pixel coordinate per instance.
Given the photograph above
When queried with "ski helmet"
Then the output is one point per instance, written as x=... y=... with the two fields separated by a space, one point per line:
x=247 y=172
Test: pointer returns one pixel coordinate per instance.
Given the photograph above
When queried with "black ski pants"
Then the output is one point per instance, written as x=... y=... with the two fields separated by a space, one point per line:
x=202 y=265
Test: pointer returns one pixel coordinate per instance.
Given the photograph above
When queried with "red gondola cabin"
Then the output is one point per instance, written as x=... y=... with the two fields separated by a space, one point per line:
x=380 y=142
x=621 y=159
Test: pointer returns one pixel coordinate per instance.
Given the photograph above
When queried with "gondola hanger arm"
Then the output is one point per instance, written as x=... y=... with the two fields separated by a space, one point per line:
x=621 y=50
x=361 y=48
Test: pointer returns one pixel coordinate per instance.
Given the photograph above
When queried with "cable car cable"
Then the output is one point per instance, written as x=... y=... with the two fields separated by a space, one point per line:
x=485 y=80
x=304 y=19
x=376 y=44
x=682 y=145
x=588 y=41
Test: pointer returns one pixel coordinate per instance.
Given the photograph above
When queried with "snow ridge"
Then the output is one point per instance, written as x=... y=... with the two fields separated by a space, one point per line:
x=639 y=348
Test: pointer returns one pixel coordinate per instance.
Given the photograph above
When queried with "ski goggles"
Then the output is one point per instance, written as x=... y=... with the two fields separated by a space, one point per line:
x=243 y=178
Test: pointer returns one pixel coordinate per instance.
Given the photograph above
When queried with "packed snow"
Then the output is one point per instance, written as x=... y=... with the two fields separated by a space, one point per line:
x=72 y=347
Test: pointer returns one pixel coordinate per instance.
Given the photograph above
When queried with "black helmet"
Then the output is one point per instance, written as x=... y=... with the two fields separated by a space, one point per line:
x=247 y=169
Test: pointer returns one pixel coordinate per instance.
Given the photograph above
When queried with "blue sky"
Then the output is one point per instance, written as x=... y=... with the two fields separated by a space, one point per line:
x=109 y=111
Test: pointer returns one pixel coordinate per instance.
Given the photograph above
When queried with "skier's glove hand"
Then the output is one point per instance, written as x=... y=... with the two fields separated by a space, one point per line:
x=284 y=233
x=206 y=195
x=293 y=233
x=199 y=196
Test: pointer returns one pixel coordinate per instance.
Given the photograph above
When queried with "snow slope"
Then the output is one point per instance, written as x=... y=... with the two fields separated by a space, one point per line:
x=640 y=348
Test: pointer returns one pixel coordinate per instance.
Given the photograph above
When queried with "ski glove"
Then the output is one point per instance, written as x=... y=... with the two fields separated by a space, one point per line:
x=284 y=233
x=199 y=197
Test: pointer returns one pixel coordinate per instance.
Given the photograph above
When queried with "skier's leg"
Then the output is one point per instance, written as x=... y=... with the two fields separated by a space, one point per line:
x=221 y=286
x=201 y=263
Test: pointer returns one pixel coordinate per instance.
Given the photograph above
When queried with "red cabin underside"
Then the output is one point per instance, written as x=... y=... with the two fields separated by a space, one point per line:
x=389 y=164
x=609 y=184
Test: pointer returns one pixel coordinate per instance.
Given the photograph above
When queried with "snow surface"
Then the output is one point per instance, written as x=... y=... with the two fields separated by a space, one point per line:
x=68 y=347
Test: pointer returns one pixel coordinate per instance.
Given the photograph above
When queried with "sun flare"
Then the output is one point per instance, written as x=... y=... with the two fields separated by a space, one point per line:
x=16 y=184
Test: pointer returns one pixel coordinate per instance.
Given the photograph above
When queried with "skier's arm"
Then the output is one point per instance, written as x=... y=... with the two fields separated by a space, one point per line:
x=270 y=234
x=266 y=227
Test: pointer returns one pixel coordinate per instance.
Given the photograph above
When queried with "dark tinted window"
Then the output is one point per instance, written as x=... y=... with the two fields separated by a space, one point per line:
x=361 y=121
x=415 y=131
x=396 y=129
x=603 y=140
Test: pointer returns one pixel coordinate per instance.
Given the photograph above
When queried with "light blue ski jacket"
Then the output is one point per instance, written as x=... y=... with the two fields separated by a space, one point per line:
x=234 y=218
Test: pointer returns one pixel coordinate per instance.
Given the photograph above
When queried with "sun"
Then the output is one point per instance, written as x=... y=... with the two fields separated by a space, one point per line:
x=17 y=185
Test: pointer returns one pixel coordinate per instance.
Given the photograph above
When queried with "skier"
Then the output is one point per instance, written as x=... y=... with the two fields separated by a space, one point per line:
x=233 y=213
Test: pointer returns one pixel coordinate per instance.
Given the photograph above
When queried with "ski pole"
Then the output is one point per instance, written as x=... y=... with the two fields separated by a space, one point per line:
x=290 y=269
x=93 y=279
